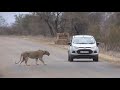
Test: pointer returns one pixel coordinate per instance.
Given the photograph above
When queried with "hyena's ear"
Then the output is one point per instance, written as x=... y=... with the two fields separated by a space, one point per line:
x=44 y=52
x=47 y=53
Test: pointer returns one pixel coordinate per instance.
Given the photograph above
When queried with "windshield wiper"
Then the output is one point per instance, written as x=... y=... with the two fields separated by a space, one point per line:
x=81 y=43
x=84 y=43
x=90 y=43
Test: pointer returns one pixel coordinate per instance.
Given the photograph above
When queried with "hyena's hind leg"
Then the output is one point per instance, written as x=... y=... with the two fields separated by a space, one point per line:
x=23 y=59
x=26 y=60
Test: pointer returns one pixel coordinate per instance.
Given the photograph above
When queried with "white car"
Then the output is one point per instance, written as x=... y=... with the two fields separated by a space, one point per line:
x=83 y=46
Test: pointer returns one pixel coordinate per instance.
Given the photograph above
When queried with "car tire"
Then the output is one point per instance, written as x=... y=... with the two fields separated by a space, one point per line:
x=95 y=59
x=70 y=59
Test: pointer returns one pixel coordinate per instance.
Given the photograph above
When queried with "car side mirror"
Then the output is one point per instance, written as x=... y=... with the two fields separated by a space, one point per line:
x=98 y=43
x=69 y=43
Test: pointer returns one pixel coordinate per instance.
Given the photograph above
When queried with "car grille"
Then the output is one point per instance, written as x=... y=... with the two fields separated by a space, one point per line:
x=84 y=47
x=84 y=51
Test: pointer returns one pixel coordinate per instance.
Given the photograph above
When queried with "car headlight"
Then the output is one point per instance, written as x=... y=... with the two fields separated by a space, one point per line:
x=75 y=47
x=94 y=47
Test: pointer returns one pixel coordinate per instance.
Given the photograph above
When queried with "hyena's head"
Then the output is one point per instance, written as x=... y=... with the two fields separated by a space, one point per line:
x=46 y=53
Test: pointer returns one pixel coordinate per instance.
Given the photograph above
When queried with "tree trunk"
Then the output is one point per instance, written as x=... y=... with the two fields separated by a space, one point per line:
x=50 y=28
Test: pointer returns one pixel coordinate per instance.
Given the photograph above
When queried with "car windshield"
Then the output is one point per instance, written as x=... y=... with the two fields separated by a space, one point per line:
x=83 y=40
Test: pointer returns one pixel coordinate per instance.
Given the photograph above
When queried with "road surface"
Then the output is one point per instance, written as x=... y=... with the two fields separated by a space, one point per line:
x=57 y=64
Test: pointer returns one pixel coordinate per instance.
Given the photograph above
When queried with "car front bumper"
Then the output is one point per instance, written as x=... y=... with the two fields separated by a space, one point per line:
x=84 y=56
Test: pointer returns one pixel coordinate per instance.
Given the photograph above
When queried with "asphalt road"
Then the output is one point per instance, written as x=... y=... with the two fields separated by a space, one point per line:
x=57 y=64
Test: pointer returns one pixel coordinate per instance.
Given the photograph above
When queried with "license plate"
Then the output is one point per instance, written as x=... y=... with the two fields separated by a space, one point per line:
x=84 y=51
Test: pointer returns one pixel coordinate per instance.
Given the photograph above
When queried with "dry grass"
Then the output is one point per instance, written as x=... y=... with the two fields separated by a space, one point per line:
x=61 y=41
x=109 y=58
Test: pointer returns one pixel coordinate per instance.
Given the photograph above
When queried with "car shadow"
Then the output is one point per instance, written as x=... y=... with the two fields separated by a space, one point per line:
x=83 y=61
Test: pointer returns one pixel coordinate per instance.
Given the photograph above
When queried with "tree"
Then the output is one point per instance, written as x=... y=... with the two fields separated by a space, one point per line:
x=52 y=19
x=2 y=22
x=77 y=22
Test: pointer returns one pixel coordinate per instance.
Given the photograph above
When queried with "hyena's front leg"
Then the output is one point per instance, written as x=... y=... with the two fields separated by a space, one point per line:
x=37 y=61
x=42 y=61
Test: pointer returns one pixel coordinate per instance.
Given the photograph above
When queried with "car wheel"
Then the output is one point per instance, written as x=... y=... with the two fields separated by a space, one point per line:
x=70 y=59
x=95 y=59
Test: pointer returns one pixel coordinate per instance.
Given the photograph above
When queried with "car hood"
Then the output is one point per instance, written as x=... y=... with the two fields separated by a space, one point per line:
x=84 y=45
